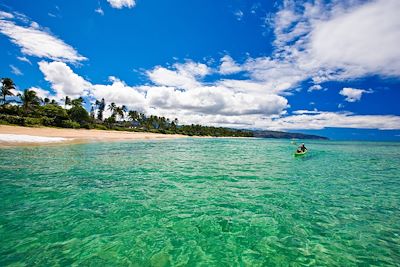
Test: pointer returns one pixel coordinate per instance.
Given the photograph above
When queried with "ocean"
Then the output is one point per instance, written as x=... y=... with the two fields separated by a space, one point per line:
x=201 y=202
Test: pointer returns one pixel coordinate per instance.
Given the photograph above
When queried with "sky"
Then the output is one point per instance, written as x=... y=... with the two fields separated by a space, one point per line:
x=323 y=67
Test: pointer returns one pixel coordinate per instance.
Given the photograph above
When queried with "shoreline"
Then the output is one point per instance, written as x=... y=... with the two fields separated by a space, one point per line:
x=37 y=136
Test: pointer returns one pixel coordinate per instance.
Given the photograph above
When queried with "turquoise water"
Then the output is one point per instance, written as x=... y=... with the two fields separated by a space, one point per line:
x=201 y=202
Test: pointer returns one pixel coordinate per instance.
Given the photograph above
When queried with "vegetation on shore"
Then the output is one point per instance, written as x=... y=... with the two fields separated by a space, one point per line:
x=27 y=109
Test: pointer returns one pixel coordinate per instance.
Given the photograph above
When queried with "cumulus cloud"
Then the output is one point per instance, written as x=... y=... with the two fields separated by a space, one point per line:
x=122 y=3
x=35 y=41
x=120 y=93
x=41 y=92
x=63 y=80
x=167 y=96
x=214 y=104
x=321 y=120
x=315 y=87
x=353 y=94
x=183 y=76
x=228 y=66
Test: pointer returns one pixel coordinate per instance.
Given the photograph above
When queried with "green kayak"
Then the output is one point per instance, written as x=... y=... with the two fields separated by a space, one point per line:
x=296 y=154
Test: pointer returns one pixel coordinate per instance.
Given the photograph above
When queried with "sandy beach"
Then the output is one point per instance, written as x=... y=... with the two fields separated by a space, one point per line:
x=17 y=135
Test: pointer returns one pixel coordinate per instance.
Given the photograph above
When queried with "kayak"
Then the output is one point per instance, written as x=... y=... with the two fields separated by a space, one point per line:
x=296 y=154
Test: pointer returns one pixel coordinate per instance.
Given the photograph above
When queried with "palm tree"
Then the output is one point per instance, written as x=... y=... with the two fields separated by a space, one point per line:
x=95 y=106
x=7 y=86
x=174 y=124
x=77 y=102
x=29 y=100
x=142 y=119
x=92 y=112
x=113 y=108
x=67 y=101
x=133 y=115
x=102 y=106
x=120 y=111
x=124 y=108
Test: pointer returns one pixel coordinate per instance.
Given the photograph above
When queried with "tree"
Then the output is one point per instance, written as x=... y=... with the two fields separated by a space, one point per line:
x=77 y=102
x=101 y=106
x=7 y=86
x=92 y=112
x=142 y=119
x=29 y=100
x=133 y=115
x=67 y=101
x=120 y=111
x=79 y=114
x=113 y=108
x=93 y=109
x=54 y=111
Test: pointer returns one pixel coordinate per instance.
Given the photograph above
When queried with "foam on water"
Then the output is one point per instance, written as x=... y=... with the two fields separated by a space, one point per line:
x=22 y=138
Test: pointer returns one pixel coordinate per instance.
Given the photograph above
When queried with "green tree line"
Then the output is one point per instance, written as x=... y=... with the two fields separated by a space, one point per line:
x=28 y=109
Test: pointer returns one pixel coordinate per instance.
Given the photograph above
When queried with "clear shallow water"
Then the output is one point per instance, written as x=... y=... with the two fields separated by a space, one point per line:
x=201 y=202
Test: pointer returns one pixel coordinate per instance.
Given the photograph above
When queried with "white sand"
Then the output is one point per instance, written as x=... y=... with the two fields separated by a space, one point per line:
x=17 y=135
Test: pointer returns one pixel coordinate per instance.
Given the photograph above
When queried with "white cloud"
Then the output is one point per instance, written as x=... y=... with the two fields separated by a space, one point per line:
x=182 y=76
x=122 y=3
x=228 y=66
x=99 y=10
x=63 y=80
x=24 y=59
x=353 y=94
x=35 y=41
x=120 y=93
x=215 y=100
x=6 y=15
x=333 y=119
x=360 y=41
x=315 y=87
x=15 y=70
x=218 y=104
x=275 y=75
x=340 y=40
x=303 y=111
x=196 y=99
x=41 y=92
x=238 y=14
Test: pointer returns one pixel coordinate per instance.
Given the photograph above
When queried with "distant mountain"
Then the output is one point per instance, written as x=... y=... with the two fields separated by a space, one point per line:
x=285 y=135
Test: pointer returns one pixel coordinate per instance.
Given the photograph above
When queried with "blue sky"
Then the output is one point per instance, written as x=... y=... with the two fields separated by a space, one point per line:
x=320 y=67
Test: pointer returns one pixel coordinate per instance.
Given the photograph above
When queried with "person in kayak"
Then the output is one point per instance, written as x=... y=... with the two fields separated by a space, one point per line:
x=301 y=148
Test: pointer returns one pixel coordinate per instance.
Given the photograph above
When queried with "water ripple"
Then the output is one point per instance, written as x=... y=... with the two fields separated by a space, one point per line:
x=207 y=202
